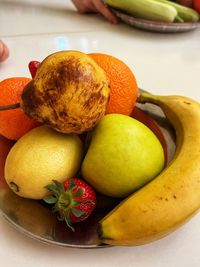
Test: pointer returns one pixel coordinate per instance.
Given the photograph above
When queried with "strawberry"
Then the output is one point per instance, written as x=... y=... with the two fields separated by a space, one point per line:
x=73 y=199
x=33 y=66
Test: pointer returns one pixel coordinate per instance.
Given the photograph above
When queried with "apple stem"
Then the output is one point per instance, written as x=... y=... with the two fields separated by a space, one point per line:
x=8 y=107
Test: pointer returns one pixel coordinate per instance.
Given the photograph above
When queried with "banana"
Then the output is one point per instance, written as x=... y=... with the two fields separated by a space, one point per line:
x=173 y=197
x=187 y=14
x=145 y=9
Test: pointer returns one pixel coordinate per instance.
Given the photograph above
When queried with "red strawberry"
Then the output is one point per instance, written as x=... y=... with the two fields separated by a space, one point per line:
x=73 y=199
x=33 y=66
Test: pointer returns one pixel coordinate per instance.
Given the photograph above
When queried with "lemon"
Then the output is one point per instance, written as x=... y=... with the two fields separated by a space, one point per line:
x=40 y=156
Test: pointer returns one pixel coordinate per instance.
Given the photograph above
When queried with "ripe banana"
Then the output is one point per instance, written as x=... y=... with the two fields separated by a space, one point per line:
x=173 y=197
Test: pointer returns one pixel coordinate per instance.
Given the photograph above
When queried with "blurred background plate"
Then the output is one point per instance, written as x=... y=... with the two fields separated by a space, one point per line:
x=156 y=26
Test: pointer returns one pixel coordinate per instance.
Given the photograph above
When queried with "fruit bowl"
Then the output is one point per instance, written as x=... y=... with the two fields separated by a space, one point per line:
x=156 y=26
x=34 y=219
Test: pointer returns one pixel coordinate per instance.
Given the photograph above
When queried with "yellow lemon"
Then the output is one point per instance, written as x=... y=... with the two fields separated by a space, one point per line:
x=40 y=156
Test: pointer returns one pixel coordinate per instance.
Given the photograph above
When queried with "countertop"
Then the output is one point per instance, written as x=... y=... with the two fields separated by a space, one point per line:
x=162 y=63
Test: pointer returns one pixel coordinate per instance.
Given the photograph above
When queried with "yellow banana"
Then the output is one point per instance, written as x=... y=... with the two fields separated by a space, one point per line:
x=172 y=197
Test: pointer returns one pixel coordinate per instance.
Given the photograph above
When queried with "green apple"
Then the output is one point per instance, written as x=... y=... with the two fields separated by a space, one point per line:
x=123 y=155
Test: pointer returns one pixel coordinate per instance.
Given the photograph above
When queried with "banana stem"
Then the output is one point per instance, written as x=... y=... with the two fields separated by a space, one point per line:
x=146 y=97
x=8 y=107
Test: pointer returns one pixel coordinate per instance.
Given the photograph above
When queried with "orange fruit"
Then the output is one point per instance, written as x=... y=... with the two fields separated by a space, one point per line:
x=123 y=85
x=14 y=123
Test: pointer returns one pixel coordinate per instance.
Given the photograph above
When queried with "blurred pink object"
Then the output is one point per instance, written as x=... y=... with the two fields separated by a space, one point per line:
x=95 y=6
x=4 y=52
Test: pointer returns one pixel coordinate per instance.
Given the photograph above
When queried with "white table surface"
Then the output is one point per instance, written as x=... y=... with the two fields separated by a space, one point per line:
x=162 y=64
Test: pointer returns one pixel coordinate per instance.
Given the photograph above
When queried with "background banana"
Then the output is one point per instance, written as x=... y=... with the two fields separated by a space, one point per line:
x=157 y=10
x=172 y=197
x=146 y=9
x=187 y=14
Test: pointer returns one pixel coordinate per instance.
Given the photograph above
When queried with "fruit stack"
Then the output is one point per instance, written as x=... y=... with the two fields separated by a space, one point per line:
x=78 y=133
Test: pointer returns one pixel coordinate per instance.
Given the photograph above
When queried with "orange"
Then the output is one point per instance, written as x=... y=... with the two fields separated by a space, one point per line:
x=13 y=123
x=123 y=85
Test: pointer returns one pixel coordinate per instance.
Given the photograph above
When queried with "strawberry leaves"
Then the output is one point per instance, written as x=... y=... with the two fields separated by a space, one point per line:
x=74 y=200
